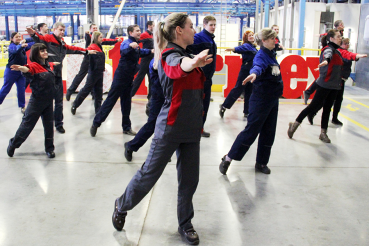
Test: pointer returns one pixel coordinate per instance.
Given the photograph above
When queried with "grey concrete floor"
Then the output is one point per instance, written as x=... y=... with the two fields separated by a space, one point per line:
x=317 y=193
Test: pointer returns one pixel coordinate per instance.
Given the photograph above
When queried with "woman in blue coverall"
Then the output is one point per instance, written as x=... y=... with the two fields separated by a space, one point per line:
x=263 y=108
x=248 y=51
x=17 y=55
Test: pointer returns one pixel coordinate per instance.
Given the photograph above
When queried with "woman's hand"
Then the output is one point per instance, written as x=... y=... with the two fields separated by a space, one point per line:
x=202 y=59
x=251 y=78
x=19 y=68
x=24 y=45
x=56 y=63
x=325 y=63
x=30 y=30
x=229 y=49
x=361 y=55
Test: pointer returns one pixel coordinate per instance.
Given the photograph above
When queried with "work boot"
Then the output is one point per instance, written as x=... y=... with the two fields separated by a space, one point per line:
x=93 y=130
x=60 y=129
x=324 y=137
x=337 y=122
x=292 y=128
x=130 y=132
x=118 y=218
x=67 y=96
x=10 y=150
x=205 y=134
x=221 y=110
x=189 y=236
x=311 y=118
x=127 y=152
x=262 y=168
x=73 y=110
x=223 y=167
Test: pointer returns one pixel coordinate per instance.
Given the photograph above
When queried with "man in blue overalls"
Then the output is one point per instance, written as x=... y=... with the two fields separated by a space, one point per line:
x=121 y=86
x=202 y=41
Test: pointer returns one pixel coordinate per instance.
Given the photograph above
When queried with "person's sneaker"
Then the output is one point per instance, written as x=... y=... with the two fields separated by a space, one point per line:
x=189 y=236
x=262 y=168
x=306 y=97
x=60 y=129
x=221 y=110
x=73 y=110
x=130 y=132
x=127 y=152
x=10 y=150
x=50 y=154
x=23 y=110
x=337 y=122
x=223 y=167
x=67 y=96
x=93 y=130
x=118 y=217
x=205 y=134
x=311 y=118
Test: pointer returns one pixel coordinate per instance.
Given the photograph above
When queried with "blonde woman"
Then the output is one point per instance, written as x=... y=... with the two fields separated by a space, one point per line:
x=182 y=81
x=263 y=109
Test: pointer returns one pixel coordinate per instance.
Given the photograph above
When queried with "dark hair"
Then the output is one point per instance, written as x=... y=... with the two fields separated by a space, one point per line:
x=330 y=34
x=34 y=56
x=131 y=28
x=337 y=23
x=92 y=24
x=39 y=26
x=149 y=23
x=12 y=36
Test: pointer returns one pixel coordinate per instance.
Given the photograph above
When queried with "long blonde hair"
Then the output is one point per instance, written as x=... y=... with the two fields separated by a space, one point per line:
x=95 y=37
x=165 y=31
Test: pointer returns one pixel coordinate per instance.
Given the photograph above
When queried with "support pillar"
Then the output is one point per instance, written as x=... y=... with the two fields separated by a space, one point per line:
x=248 y=21
x=261 y=14
x=16 y=23
x=266 y=13
x=284 y=23
x=241 y=27
x=292 y=22
x=301 y=24
x=256 y=21
x=276 y=6
x=197 y=19
x=54 y=19
x=72 y=25
x=78 y=22
x=7 y=28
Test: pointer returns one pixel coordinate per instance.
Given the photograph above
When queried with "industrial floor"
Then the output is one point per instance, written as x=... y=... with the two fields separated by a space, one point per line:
x=317 y=193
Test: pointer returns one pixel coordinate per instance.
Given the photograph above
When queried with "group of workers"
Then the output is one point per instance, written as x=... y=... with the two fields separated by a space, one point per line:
x=180 y=65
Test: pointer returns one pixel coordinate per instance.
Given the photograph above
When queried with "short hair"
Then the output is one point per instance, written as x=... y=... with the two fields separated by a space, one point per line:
x=337 y=23
x=207 y=19
x=34 y=55
x=92 y=24
x=131 y=28
x=12 y=36
x=265 y=34
x=149 y=23
x=58 y=24
x=40 y=25
x=345 y=41
x=274 y=26
x=245 y=37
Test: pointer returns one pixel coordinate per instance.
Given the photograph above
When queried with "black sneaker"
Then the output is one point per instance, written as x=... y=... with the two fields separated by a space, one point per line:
x=262 y=168
x=50 y=154
x=130 y=132
x=223 y=167
x=205 y=134
x=127 y=152
x=337 y=122
x=10 y=150
x=93 y=130
x=221 y=110
x=189 y=236
x=73 y=110
x=60 y=129
x=118 y=218
x=67 y=96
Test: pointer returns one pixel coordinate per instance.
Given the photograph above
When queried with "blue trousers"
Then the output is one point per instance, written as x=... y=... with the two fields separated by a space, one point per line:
x=148 y=129
x=237 y=91
x=36 y=109
x=262 y=121
x=118 y=90
x=58 y=97
x=188 y=160
x=206 y=101
x=11 y=77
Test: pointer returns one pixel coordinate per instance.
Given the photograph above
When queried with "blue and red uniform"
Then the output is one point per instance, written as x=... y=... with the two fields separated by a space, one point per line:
x=178 y=128
x=40 y=105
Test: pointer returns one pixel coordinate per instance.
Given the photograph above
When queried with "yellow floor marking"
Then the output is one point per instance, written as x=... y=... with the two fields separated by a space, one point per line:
x=355 y=122
x=362 y=104
x=349 y=106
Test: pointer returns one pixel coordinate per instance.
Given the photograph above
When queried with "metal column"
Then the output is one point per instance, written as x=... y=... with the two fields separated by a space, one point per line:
x=54 y=19
x=261 y=14
x=292 y=22
x=16 y=23
x=301 y=25
x=284 y=22
x=256 y=27
x=144 y=23
x=78 y=23
x=92 y=11
x=266 y=13
x=7 y=28
x=197 y=20
x=241 y=27
x=72 y=25
x=276 y=7
x=248 y=20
